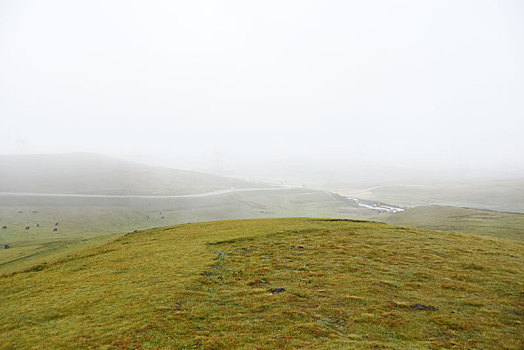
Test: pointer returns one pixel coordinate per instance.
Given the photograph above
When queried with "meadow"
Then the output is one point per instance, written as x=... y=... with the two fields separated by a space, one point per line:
x=500 y=195
x=466 y=220
x=80 y=220
x=288 y=283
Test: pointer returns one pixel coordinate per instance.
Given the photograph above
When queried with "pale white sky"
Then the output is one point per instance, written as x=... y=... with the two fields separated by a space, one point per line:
x=407 y=82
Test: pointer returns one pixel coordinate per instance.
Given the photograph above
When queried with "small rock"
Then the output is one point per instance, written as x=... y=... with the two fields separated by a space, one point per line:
x=423 y=307
x=276 y=290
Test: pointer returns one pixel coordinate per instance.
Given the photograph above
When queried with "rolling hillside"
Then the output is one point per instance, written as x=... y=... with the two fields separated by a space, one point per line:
x=86 y=173
x=502 y=195
x=277 y=283
x=85 y=218
x=474 y=221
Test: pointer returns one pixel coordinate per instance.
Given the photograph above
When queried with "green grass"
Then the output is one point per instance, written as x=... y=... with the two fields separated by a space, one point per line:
x=474 y=221
x=348 y=285
x=85 y=218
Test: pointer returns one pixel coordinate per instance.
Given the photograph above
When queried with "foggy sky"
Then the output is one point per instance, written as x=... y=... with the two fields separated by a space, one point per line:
x=405 y=82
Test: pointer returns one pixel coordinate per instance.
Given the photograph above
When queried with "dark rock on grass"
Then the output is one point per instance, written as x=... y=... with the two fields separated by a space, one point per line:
x=423 y=307
x=276 y=290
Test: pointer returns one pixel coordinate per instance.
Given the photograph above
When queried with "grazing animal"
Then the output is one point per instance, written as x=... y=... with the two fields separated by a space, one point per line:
x=55 y=229
x=162 y=217
x=27 y=227
x=34 y=211
x=4 y=227
x=56 y=224
x=37 y=225
x=20 y=212
x=6 y=246
x=148 y=216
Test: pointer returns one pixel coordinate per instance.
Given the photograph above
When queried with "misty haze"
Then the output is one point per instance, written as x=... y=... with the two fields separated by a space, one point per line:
x=260 y=175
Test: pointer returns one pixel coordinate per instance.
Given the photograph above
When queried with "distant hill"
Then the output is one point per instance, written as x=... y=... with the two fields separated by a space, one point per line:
x=272 y=284
x=86 y=173
x=505 y=195
x=475 y=221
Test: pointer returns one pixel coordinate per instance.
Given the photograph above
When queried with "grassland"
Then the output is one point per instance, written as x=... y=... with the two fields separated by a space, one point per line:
x=474 y=221
x=501 y=195
x=347 y=285
x=82 y=219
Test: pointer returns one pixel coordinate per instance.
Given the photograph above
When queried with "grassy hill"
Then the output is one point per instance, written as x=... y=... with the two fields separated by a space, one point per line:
x=277 y=283
x=85 y=173
x=85 y=218
x=475 y=221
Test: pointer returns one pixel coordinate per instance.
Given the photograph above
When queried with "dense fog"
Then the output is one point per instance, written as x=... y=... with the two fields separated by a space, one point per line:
x=320 y=89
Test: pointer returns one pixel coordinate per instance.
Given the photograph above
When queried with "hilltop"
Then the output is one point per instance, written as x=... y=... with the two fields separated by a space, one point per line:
x=273 y=283
x=87 y=173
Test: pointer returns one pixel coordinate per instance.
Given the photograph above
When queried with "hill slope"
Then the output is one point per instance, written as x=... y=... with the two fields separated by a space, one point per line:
x=273 y=283
x=504 y=195
x=475 y=221
x=85 y=173
x=83 y=218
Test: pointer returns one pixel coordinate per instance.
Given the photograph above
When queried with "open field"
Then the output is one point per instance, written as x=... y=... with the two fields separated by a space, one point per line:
x=347 y=285
x=502 y=195
x=85 y=218
x=474 y=221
